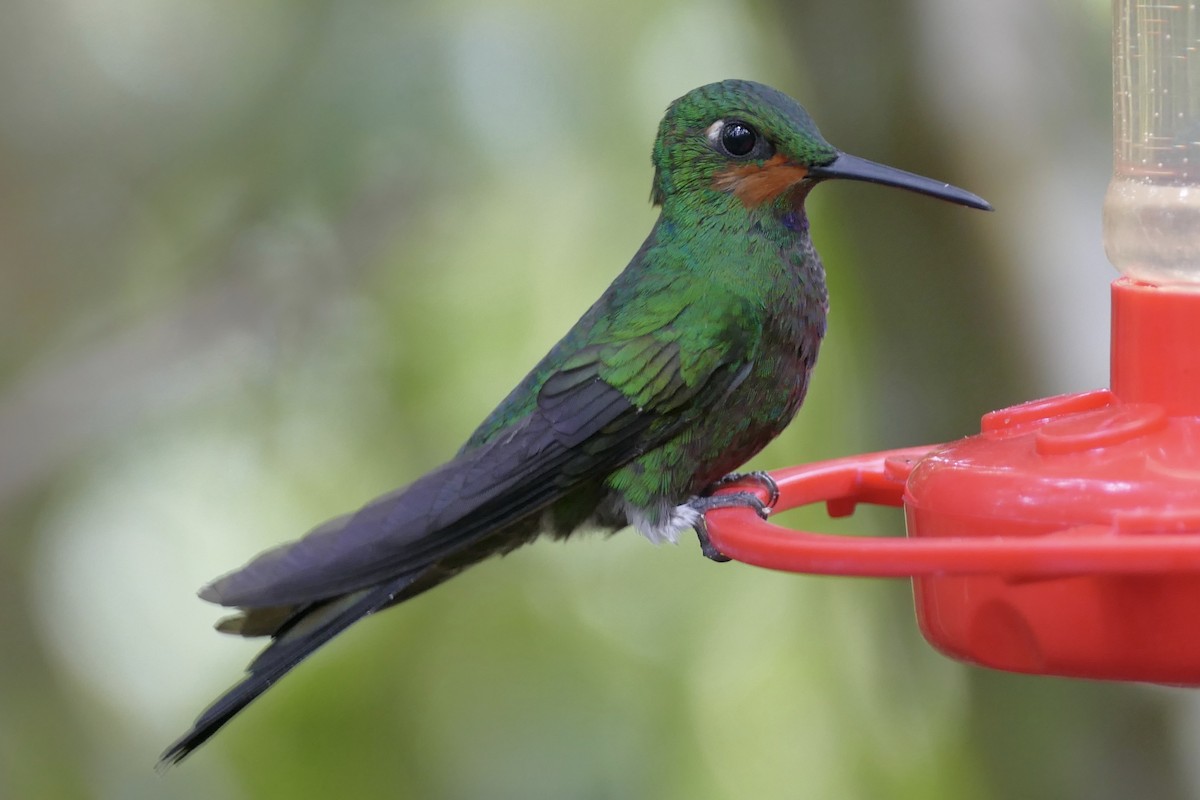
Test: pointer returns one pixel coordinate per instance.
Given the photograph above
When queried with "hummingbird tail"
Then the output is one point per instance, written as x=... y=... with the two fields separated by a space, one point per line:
x=299 y=638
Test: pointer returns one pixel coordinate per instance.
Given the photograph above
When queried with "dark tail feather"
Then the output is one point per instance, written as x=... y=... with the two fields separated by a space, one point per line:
x=291 y=646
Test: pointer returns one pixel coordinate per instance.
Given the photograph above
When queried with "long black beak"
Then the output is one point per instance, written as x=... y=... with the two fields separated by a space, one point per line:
x=859 y=169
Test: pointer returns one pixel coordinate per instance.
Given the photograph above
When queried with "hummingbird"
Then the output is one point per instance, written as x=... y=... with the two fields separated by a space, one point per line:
x=696 y=357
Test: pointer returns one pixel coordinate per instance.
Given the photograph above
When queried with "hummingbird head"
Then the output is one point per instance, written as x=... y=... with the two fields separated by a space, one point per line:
x=746 y=140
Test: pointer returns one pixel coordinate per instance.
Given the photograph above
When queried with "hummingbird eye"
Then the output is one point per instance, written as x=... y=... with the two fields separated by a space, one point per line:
x=738 y=139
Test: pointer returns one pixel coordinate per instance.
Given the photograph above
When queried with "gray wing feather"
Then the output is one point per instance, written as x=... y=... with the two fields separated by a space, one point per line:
x=515 y=474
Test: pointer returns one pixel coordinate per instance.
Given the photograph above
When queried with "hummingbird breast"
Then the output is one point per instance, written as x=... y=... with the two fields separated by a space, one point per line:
x=794 y=309
x=784 y=284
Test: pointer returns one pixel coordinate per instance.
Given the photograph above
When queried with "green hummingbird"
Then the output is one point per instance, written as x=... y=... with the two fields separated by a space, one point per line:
x=696 y=357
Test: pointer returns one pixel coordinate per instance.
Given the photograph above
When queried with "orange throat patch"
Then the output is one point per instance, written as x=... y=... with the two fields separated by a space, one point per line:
x=755 y=185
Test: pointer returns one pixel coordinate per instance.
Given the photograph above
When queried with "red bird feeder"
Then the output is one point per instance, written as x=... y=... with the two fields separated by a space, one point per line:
x=1064 y=538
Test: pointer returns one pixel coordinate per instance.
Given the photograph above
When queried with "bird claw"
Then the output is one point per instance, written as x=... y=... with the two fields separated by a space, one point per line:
x=762 y=477
x=707 y=548
x=732 y=500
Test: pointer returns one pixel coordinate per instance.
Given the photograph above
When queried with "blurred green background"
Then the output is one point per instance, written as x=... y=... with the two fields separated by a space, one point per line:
x=263 y=261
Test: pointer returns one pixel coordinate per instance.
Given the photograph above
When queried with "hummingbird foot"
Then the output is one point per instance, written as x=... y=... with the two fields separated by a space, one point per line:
x=703 y=505
x=707 y=548
x=762 y=477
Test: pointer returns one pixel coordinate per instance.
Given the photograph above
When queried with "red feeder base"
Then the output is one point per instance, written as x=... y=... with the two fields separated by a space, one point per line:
x=1060 y=540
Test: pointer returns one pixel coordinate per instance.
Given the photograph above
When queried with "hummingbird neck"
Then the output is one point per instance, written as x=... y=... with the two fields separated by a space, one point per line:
x=783 y=215
x=795 y=220
x=763 y=250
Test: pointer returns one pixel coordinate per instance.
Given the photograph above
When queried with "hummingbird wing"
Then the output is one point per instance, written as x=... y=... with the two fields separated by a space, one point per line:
x=350 y=567
x=604 y=405
x=515 y=474
x=652 y=367
x=353 y=566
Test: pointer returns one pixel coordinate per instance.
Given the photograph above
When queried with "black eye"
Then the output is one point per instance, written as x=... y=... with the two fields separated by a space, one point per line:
x=738 y=139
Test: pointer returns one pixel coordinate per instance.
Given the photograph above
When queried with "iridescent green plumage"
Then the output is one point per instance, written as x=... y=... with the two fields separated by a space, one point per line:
x=696 y=357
